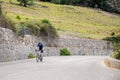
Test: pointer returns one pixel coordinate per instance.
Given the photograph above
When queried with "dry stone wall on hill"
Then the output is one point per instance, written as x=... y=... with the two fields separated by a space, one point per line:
x=13 y=47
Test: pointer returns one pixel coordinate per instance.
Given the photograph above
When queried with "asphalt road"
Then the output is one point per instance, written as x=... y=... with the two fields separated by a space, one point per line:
x=59 y=68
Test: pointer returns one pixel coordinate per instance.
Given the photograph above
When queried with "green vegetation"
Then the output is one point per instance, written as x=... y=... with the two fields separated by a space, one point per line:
x=115 y=41
x=66 y=19
x=25 y=3
x=47 y=29
x=31 y=56
x=107 y=5
x=116 y=54
x=116 y=45
x=65 y=52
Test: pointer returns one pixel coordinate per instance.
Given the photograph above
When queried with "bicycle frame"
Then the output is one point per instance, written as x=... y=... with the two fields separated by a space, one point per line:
x=39 y=56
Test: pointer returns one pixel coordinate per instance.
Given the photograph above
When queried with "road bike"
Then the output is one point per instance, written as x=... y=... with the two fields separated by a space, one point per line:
x=39 y=56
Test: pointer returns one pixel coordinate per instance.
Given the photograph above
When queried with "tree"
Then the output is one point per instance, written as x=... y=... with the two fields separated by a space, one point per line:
x=114 y=5
x=25 y=3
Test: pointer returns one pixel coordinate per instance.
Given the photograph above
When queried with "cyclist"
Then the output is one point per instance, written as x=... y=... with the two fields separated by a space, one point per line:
x=39 y=49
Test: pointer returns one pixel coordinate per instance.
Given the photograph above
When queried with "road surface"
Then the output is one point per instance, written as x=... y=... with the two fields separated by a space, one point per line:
x=59 y=68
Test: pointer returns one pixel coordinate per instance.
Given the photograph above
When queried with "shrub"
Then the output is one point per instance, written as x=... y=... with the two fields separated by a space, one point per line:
x=31 y=56
x=21 y=29
x=45 y=21
x=44 y=31
x=33 y=26
x=116 y=45
x=65 y=52
x=115 y=41
x=116 y=55
x=18 y=17
x=112 y=34
x=47 y=29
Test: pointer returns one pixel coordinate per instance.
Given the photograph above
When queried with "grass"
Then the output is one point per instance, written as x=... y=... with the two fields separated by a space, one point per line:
x=67 y=20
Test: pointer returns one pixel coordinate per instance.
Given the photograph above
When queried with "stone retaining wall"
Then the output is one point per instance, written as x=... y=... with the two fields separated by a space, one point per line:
x=13 y=47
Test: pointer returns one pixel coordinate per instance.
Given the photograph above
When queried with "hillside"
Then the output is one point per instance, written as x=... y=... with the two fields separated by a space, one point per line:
x=67 y=20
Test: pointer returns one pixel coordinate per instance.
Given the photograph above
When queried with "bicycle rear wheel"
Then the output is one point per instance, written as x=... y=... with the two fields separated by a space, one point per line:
x=41 y=57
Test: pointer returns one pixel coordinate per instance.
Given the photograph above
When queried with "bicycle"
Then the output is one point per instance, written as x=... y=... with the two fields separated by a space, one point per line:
x=39 y=56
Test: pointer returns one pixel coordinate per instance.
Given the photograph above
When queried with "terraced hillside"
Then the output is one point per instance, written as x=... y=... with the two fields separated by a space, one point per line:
x=67 y=20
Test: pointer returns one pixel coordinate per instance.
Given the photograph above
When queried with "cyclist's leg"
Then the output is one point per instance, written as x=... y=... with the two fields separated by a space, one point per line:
x=37 y=57
x=41 y=56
